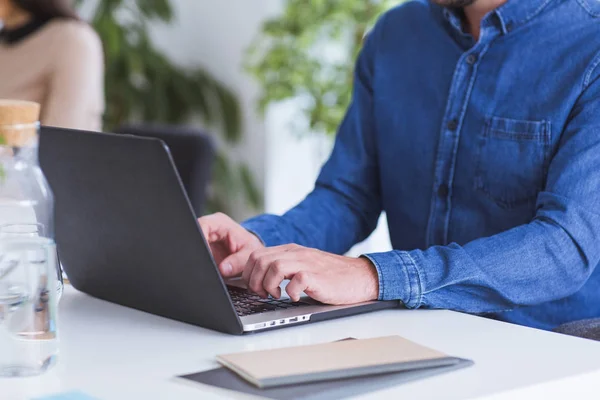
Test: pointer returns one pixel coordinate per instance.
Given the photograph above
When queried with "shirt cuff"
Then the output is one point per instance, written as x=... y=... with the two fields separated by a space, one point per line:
x=267 y=228
x=399 y=277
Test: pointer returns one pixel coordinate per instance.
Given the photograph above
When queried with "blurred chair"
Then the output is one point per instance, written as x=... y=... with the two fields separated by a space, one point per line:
x=587 y=329
x=193 y=153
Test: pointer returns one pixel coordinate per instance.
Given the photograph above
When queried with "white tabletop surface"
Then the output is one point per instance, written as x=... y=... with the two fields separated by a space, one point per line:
x=112 y=353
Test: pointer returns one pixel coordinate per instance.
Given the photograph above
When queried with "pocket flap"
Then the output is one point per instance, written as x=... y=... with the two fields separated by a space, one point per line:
x=512 y=129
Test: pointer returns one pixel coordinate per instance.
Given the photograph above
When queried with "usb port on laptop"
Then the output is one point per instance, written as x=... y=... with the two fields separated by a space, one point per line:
x=295 y=319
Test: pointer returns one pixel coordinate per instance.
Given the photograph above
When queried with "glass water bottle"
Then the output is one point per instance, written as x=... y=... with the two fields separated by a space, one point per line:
x=30 y=276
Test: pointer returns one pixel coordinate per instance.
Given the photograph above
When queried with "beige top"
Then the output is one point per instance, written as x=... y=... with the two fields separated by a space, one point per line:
x=60 y=66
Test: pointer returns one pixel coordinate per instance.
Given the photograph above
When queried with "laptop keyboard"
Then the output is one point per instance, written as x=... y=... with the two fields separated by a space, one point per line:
x=246 y=303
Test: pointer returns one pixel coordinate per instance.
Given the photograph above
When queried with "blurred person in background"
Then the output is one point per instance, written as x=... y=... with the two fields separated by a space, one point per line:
x=48 y=55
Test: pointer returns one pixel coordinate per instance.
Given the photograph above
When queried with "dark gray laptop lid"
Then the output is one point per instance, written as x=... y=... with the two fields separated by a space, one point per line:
x=125 y=230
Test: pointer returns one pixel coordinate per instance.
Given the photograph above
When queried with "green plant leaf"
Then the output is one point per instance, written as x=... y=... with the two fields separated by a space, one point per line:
x=291 y=56
x=156 y=9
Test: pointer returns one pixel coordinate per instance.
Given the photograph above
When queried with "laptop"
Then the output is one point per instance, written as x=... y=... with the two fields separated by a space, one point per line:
x=126 y=233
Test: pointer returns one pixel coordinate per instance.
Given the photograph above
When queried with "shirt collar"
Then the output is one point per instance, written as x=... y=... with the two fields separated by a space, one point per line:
x=13 y=36
x=511 y=15
x=454 y=17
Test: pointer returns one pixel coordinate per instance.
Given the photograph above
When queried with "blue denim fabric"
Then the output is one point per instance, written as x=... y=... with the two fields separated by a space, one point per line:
x=485 y=156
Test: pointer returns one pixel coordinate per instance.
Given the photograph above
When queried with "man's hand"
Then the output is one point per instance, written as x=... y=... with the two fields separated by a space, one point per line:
x=325 y=277
x=229 y=242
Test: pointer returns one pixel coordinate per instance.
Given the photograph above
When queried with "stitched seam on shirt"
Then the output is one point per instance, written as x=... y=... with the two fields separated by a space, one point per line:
x=512 y=136
x=586 y=82
x=587 y=8
x=536 y=12
x=500 y=134
x=588 y=75
x=408 y=261
x=515 y=201
x=419 y=280
x=380 y=280
x=405 y=266
x=463 y=112
x=519 y=133
x=540 y=126
x=433 y=201
x=544 y=134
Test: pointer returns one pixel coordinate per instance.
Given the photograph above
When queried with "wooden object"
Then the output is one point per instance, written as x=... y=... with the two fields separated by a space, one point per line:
x=19 y=122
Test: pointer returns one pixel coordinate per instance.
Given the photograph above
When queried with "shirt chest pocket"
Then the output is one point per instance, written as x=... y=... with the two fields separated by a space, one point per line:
x=513 y=160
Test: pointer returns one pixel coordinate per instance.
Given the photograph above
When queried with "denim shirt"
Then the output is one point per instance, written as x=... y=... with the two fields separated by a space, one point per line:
x=485 y=155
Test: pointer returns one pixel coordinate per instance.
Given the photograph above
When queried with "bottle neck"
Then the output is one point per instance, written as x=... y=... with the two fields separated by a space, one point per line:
x=19 y=135
x=19 y=141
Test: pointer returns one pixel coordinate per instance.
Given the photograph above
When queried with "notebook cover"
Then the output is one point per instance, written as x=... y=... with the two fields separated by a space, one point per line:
x=330 y=361
x=224 y=379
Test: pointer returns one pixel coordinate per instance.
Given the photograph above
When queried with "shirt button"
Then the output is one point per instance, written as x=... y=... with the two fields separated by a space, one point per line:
x=443 y=190
x=453 y=125
x=471 y=59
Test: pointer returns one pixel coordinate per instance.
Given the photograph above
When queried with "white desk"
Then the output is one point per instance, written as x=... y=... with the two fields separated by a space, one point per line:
x=112 y=353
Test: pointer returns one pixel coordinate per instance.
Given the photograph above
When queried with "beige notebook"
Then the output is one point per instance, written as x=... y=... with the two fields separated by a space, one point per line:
x=338 y=360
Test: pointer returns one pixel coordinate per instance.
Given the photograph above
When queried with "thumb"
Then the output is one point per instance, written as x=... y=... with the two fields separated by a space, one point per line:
x=234 y=264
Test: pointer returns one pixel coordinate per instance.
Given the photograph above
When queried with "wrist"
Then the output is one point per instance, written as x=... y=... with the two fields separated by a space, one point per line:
x=372 y=279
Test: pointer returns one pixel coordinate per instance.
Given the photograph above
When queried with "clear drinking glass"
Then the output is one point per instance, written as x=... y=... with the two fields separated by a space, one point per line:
x=28 y=334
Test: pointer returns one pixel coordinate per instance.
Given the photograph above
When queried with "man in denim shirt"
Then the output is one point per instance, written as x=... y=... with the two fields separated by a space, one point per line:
x=475 y=125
